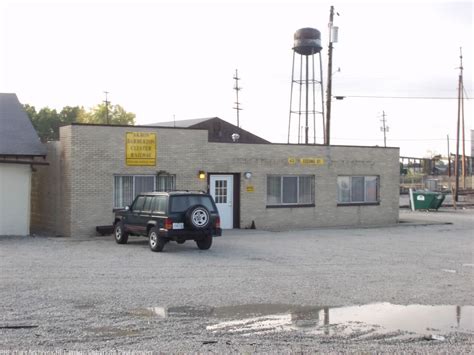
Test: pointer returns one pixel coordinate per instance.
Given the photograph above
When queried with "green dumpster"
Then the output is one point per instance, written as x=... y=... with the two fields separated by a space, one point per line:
x=427 y=200
x=437 y=201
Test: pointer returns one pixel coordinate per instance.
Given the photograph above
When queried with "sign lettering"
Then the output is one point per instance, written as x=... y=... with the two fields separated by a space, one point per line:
x=140 y=149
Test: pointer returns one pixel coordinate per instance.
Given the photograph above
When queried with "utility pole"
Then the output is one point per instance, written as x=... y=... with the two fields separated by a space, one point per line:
x=237 y=88
x=384 y=129
x=456 y=163
x=463 y=164
x=329 y=86
x=106 y=107
x=449 y=162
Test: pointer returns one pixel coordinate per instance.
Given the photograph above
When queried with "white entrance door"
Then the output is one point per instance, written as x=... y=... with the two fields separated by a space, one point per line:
x=222 y=190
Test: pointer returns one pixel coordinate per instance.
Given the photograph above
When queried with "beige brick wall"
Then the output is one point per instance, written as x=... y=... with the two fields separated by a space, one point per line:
x=91 y=156
x=46 y=193
x=262 y=160
x=66 y=177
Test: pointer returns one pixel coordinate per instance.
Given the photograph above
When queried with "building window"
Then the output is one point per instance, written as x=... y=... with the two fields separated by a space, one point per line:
x=290 y=190
x=357 y=189
x=221 y=191
x=127 y=187
x=165 y=182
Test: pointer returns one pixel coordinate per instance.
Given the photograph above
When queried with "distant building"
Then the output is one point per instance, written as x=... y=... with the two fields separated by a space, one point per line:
x=20 y=150
x=218 y=130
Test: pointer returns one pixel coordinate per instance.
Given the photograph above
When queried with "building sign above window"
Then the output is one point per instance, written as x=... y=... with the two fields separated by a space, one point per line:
x=306 y=161
x=140 y=149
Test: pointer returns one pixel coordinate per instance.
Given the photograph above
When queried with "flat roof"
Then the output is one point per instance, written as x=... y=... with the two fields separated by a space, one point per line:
x=204 y=129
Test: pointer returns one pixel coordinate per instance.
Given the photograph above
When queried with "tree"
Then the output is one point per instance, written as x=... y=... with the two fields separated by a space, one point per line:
x=47 y=121
x=110 y=114
x=70 y=114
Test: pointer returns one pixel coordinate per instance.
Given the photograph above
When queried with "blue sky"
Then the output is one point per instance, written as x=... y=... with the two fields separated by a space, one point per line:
x=165 y=59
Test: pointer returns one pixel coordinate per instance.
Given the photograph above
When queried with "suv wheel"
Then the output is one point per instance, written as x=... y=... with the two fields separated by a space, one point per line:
x=197 y=217
x=204 y=243
x=120 y=235
x=156 y=242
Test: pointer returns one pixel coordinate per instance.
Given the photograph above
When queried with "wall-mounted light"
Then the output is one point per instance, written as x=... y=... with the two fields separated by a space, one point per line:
x=202 y=174
x=235 y=137
x=247 y=175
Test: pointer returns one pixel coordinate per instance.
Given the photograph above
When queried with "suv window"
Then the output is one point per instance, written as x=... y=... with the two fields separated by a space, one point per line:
x=138 y=204
x=147 y=205
x=159 y=204
x=182 y=203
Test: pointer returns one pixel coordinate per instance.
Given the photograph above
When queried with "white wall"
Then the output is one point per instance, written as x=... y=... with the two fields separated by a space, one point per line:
x=15 y=188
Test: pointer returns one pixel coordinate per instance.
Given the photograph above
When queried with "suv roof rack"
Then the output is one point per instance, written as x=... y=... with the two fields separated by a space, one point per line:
x=183 y=191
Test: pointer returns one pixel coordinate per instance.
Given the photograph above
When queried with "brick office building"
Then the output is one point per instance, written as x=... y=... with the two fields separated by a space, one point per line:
x=94 y=169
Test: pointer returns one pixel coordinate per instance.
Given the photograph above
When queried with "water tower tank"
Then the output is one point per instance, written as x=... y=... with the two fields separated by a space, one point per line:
x=307 y=41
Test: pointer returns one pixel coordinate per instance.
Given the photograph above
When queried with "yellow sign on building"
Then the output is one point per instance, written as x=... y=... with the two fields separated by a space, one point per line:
x=140 y=149
x=311 y=161
x=306 y=161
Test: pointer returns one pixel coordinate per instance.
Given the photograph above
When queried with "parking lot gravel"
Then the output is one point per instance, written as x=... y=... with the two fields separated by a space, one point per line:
x=68 y=294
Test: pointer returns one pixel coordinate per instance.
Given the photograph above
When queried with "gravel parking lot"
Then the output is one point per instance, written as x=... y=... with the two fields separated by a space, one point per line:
x=253 y=291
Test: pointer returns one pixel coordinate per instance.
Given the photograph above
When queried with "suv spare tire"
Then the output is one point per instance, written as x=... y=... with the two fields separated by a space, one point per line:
x=197 y=217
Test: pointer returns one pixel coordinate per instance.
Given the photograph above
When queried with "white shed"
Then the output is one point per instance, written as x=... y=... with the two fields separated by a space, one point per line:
x=20 y=149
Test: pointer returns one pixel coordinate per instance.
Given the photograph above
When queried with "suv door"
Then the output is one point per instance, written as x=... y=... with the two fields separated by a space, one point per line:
x=158 y=210
x=145 y=215
x=134 y=218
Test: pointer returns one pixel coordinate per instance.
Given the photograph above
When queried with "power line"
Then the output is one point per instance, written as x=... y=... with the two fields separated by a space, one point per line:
x=466 y=97
x=395 y=139
x=341 y=97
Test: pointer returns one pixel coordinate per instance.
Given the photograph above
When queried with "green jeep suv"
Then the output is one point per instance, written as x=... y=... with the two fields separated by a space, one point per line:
x=166 y=216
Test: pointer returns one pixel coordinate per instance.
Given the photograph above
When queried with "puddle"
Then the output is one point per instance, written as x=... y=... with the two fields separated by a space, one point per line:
x=380 y=318
x=365 y=320
x=450 y=271
x=173 y=312
x=113 y=331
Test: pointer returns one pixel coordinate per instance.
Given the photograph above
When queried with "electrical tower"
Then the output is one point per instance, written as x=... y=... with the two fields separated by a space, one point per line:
x=237 y=88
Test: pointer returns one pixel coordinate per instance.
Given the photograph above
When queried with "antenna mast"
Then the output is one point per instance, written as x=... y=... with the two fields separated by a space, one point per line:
x=237 y=88
x=106 y=107
x=384 y=128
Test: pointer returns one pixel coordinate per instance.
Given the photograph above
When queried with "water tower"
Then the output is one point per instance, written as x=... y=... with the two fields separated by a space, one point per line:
x=306 y=97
